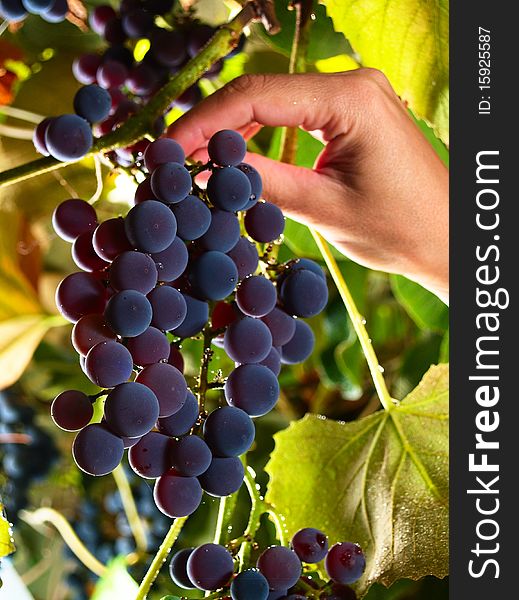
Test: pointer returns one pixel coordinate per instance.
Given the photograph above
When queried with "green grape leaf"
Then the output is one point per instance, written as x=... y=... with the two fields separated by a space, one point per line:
x=409 y=41
x=6 y=535
x=426 y=309
x=381 y=481
x=116 y=582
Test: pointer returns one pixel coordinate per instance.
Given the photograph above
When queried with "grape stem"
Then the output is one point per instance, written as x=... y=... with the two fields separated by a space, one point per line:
x=203 y=383
x=288 y=154
x=160 y=558
x=141 y=124
x=43 y=515
x=130 y=508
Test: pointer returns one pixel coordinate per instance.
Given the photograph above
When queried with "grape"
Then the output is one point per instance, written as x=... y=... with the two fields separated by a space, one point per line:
x=300 y=346
x=80 y=294
x=229 y=189
x=210 y=566
x=178 y=569
x=264 y=222
x=150 y=457
x=249 y=585
x=281 y=567
x=120 y=54
x=196 y=318
x=277 y=594
x=131 y=409
x=168 y=48
x=193 y=218
x=253 y=388
x=96 y=450
x=171 y=182
x=158 y=7
x=223 y=233
x=223 y=315
x=133 y=271
x=282 y=326
x=71 y=410
x=311 y=545
x=128 y=313
x=177 y=496
x=189 y=98
x=137 y=24
x=110 y=239
x=175 y=357
x=245 y=257
x=149 y=347
x=111 y=73
x=213 y=275
x=345 y=562
x=172 y=261
x=38 y=137
x=229 y=431
x=12 y=10
x=144 y=191
x=227 y=147
x=247 y=340
x=84 y=254
x=304 y=293
x=183 y=420
x=273 y=361
x=100 y=16
x=169 y=308
x=36 y=7
x=57 y=12
x=223 y=477
x=308 y=265
x=164 y=150
x=142 y=80
x=255 y=183
x=93 y=103
x=340 y=592
x=150 y=226
x=130 y=442
x=114 y=32
x=108 y=364
x=89 y=331
x=68 y=137
x=190 y=456
x=256 y=296
x=85 y=68
x=168 y=384
x=73 y=217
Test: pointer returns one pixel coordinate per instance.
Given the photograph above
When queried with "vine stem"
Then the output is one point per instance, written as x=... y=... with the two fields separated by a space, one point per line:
x=160 y=558
x=130 y=508
x=43 y=515
x=256 y=510
x=357 y=320
x=141 y=124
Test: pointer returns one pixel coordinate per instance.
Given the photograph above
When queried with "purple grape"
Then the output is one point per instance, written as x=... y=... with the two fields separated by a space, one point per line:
x=196 y=318
x=273 y=361
x=193 y=218
x=213 y=276
x=210 y=567
x=71 y=410
x=282 y=326
x=137 y=24
x=38 y=138
x=150 y=457
x=68 y=138
x=345 y=562
x=131 y=409
x=281 y=566
x=89 y=331
x=171 y=262
x=73 y=217
x=223 y=477
x=311 y=545
x=142 y=80
x=164 y=150
x=169 y=308
x=190 y=456
x=171 y=182
x=229 y=189
x=149 y=347
x=151 y=226
x=198 y=38
x=168 y=48
x=245 y=257
x=264 y=222
x=229 y=431
x=227 y=148
x=100 y=16
x=84 y=254
x=85 y=68
x=178 y=569
x=247 y=340
x=133 y=271
x=80 y=294
x=253 y=388
x=177 y=496
x=183 y=420
x=256 y=296
x=128 y=313
x=255 y=183
x=108 y=364
x=175 y=356
x=168 y=384
x=223 y=233
x=12 y=10
x=300 y=346
x=37 y=7
x=93 y=103
x=249 y=585
x=111 y=74
x=96 y=450
x=110 y=239
x=114 y=33
x=304 y=293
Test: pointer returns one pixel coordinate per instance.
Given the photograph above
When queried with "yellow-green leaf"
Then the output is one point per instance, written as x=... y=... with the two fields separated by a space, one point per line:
x=409 y=41
x=381 y=481
x=19 y=338
x=6 y=535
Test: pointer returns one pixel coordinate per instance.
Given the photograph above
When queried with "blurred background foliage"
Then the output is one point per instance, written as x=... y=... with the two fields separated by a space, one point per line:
x=407 y=324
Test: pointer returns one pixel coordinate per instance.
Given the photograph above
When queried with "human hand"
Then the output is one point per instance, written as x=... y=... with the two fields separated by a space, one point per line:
x=378 y=191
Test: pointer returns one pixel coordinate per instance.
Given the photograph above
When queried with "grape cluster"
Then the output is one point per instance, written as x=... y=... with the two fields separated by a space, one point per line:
x=149 y=281
x=52 y=11
x=69 y=137
x=278 y=569
x=132 y=83
x=28 y=453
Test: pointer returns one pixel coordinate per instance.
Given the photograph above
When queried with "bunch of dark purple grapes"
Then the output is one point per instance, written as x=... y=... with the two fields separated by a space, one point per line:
x=132 y=83
x=158 y=276
x=52 y=11
x=279 y=570
x=69 y=137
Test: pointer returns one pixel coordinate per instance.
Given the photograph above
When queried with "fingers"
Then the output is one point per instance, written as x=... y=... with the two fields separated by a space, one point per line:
x=327 y=103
